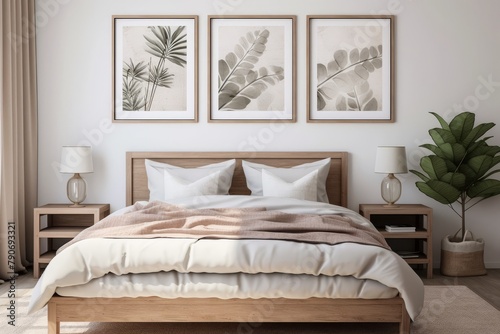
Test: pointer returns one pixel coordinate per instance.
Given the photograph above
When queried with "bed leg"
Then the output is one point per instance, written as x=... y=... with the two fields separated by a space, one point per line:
x=53 y=323
x=404 y=325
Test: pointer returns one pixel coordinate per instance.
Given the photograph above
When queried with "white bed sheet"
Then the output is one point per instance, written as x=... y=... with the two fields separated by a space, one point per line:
x=236 y=268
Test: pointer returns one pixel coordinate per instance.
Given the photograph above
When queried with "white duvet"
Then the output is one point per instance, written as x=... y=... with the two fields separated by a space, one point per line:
x=189 y=268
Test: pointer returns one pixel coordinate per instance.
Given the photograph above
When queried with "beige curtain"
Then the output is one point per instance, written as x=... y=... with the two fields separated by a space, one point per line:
x=18 y=135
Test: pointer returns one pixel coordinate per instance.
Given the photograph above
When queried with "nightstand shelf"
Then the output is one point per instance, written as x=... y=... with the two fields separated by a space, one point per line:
x=46 y=257
x=60 y=232
x=402 y=235
x=416 y=215
x=56 y=224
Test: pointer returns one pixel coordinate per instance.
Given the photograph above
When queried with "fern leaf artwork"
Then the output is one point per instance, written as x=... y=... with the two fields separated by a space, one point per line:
x=244 y=75
x=343 y=82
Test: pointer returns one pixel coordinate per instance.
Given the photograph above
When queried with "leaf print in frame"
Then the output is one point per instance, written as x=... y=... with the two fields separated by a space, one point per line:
x=155 y=68
x=252 y=68
x=350 y=69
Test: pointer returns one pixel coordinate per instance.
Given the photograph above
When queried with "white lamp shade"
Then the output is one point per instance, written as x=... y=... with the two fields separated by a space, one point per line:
x=76 y=159
x=391 y=159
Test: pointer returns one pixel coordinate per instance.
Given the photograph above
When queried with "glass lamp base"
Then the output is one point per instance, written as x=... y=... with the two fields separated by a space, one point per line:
x=76 y=190
x=390 y=190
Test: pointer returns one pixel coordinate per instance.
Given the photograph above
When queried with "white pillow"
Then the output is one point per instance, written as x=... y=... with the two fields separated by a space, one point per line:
x=156 y=176
x=176 y=187
x=253 y=175
x=303 y=188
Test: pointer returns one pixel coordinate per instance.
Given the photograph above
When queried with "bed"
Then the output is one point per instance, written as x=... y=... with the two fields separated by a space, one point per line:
x=73 y=307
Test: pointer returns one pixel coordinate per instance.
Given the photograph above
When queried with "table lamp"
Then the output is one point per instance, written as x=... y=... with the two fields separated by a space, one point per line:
x=391 y=160
x=76 y=160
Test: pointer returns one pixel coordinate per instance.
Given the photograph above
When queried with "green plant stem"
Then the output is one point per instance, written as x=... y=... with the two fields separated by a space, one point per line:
x=464 y=198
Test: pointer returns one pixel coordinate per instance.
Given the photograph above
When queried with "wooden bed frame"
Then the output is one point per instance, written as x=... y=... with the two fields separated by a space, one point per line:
x=154 y=309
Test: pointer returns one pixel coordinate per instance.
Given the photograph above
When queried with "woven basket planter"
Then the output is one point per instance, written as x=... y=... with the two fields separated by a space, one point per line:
x=462 y=257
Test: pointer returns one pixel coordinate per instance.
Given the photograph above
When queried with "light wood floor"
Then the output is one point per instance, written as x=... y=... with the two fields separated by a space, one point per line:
x=487 y=286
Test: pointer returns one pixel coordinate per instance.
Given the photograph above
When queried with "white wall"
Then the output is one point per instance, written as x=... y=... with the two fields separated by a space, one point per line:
x=444 y=50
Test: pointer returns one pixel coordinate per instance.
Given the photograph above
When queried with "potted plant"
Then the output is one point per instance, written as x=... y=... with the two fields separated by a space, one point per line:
x=457 y=174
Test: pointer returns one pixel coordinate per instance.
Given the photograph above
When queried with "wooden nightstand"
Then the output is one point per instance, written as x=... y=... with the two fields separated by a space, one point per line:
x=418 y=242
x=59 y=223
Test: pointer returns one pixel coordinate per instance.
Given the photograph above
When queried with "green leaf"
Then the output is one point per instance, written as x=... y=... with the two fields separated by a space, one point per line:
x=443 y=123
x=439 y=191
x=480 y=165
x=469 y=173
x=420 y=175
x=457 y=180
x=491 y=173
x=454 y=152
x=434 y=149
x=484 y=188
x=434 y=166
x=461 y=125
x=476 y=133
x=441 y=136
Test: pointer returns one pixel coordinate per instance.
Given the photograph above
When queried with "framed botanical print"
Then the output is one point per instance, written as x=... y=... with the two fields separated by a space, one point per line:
x=350 y=65
x=252 y=68
x=155 y=65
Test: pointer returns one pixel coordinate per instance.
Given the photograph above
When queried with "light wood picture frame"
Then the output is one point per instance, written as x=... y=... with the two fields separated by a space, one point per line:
x=252 y=68
x=155 y=68
x=350 y=68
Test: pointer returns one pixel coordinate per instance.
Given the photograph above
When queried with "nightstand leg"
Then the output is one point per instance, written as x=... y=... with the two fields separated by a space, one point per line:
x=36 y=245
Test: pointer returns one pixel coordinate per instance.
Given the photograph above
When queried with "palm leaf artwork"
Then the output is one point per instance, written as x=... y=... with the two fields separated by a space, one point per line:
x=133 y=75
x=141 y=80
x=344 y=80
x=239 y=82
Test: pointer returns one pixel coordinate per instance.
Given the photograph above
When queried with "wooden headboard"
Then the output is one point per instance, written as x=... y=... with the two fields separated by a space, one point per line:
x=137 y=183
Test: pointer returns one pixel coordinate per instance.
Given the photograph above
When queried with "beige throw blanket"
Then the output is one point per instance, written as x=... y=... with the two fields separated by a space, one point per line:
x=159 y=219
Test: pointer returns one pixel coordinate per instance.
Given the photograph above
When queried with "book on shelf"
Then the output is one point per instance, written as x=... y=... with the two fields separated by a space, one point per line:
x=408 y=254
x=400 y=228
